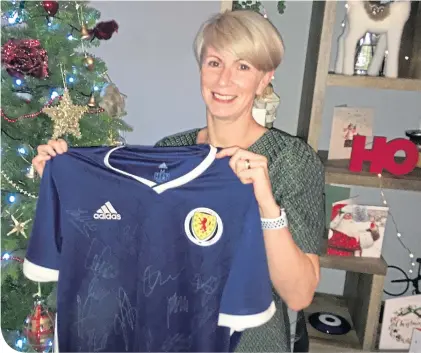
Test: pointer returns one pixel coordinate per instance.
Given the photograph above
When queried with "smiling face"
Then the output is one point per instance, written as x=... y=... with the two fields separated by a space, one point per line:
x=229 y=85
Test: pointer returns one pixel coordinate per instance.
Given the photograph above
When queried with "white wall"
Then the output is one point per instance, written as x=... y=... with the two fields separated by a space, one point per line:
x=151 y=60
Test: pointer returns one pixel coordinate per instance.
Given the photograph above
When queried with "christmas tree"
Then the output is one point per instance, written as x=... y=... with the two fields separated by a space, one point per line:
x=51 y=88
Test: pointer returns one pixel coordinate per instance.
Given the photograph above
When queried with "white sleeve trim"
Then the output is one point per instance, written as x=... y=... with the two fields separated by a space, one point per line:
x=241 y=322
x=38 y=273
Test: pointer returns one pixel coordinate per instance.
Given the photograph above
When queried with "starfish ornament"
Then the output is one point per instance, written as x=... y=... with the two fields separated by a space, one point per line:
x=19 y=227
x=66 y=116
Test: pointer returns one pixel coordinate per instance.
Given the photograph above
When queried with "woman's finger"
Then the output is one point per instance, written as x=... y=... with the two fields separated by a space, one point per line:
x=244 y=164
x=63 y=145
x=41 y=158
x=56 y=145
x=227 y=152
x=242 y=156
x=248 y=176
x=46 y=150
x=39 y=163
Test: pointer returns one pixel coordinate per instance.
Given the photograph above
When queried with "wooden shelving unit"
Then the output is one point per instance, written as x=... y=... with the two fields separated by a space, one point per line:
x=317 y=79
x=359 y=305
x=361 y=301
x=337 y=173
x=403 y=84
x=363 y=291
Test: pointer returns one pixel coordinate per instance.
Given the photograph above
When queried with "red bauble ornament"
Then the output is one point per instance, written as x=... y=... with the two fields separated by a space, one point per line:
x=39 y=327
x=51 y=7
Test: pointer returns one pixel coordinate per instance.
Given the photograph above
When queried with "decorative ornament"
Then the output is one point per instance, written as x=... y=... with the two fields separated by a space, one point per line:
x=39 y=327
x=23 y=57
x=51 y=7
x=112 y=101
x=89 y=62
x=19 y=227
x=281 y=6
x=92 y=102
x=25 y=96
x=26 y=116
x=8 y=257
x=387 y=20
x=16 y=186
x=265 y=105
x=103 y=30
x=84 y=33
x=376 y=10
x=31 y=172
x=66 y=116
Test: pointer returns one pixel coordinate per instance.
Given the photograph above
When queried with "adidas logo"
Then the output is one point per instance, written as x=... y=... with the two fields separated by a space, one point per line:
x=107 y=211
x=163 y=166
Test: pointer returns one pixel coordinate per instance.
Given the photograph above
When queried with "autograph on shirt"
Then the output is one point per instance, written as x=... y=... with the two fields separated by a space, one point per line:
x=152 y=279
x=82 y=220
x=84 y=309
x=176 y=304
x=99 y=260
x=125 y=319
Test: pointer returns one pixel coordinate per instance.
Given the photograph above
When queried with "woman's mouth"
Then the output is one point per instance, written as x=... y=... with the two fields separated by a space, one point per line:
x=223 y=98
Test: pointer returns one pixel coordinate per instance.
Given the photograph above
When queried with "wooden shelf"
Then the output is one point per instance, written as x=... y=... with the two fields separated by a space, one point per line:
x=368 y=265
x=337 y=173
x=402 y=84
x=337 y=305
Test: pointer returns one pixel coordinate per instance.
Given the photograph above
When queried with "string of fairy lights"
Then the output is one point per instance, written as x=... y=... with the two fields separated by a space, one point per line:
x=398 y=233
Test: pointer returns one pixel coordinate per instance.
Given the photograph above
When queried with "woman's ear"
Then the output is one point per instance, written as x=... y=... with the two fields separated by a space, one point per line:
x=267 y=77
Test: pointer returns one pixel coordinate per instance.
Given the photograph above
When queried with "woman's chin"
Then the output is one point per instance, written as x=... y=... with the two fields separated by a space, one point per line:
x=223 y=111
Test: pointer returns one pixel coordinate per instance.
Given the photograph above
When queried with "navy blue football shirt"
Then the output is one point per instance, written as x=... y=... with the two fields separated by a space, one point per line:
x=154 y=249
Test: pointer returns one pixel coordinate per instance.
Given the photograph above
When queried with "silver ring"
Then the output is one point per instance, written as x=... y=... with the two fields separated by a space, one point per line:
x=247 y=161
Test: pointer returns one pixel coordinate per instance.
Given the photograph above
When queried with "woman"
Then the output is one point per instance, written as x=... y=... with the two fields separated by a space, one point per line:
x=237 y=53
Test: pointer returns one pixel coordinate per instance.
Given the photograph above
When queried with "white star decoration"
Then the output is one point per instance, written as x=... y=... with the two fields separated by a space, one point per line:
x=19 y=227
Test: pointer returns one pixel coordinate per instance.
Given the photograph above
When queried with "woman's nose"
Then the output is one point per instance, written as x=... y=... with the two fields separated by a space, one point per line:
x=224 y=77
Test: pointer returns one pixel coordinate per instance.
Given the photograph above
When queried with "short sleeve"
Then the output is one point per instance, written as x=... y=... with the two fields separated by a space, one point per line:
x=247 y=297
x=301 y=192
x=41 y=262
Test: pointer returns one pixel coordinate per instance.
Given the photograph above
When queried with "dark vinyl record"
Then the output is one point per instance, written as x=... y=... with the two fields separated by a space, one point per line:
x=329 y=323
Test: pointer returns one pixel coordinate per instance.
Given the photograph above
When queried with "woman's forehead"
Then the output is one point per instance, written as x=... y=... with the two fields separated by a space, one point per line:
x=222 y=54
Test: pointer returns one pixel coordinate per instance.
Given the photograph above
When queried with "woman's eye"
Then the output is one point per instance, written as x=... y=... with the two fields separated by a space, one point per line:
x=244 y=67
x=213 y=63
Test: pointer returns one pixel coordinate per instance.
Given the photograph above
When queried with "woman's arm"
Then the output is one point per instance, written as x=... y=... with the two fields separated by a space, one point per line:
x=293 y=252
x=294 y=274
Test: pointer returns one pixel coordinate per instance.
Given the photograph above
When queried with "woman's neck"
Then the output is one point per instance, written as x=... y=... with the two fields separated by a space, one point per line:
x=227 y=133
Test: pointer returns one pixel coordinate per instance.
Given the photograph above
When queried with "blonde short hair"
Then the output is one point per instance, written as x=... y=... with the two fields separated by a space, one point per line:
x=246 y=34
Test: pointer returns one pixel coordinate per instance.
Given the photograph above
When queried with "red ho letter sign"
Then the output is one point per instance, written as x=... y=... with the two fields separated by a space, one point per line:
x=382 y=155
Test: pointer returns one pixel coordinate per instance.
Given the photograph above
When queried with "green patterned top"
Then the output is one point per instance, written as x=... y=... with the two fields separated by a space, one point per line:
x=297 y=176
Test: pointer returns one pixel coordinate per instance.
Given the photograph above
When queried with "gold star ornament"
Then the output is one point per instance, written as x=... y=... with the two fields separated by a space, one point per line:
x=66 y=116
x=19 y=227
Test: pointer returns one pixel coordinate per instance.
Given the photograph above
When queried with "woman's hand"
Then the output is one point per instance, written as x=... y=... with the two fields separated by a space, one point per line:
x=45 y=152
x=252 y=168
